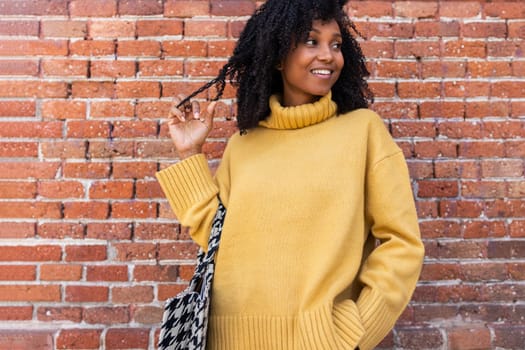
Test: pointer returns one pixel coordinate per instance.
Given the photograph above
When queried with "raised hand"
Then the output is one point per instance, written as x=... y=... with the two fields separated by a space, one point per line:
x=188 y=127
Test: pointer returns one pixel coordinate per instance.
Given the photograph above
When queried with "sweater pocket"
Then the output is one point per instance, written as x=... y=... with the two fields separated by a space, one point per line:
x=330 y=327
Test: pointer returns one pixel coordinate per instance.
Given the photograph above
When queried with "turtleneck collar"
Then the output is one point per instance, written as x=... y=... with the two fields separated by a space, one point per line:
x=301 y=116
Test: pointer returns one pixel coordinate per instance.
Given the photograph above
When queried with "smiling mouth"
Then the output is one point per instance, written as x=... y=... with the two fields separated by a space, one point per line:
x=322 y=72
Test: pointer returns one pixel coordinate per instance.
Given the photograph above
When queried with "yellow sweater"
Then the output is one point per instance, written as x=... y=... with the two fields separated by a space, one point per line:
x=307 y=195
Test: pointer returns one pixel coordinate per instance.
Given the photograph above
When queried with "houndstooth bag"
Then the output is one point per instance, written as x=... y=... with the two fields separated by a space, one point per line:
x=185 y=318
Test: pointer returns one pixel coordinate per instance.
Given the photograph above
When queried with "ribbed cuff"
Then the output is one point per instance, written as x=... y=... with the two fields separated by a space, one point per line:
x=377 y=319
x=187 y=183
x=347 y=322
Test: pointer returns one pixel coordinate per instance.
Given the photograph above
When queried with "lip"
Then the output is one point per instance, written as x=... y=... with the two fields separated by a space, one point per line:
x=324 y=75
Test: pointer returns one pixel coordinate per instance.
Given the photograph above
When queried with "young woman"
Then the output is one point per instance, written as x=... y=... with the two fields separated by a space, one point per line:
x=320 y=246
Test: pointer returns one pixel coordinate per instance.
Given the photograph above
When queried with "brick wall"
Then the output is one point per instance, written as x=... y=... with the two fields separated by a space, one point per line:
x=89 y=249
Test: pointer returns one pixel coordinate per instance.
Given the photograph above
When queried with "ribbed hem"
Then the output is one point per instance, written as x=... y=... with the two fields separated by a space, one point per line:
x=377 y=319
x=348 y=325
x=187 y=182
x=324 y=328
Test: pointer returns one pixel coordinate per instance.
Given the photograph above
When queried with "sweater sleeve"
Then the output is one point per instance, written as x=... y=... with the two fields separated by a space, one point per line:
x=390 y=273
x=192 y=192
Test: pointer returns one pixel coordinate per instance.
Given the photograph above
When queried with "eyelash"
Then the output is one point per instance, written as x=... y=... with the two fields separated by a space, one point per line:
x=313 y=42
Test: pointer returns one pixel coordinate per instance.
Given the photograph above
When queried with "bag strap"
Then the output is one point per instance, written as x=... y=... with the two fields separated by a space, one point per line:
x=216 y=230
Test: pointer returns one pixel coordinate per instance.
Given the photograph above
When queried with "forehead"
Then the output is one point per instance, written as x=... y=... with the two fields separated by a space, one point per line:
x=326 y=26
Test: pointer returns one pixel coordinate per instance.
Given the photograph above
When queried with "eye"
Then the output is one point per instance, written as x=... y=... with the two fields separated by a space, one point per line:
x=310 y=42
x=337 y=45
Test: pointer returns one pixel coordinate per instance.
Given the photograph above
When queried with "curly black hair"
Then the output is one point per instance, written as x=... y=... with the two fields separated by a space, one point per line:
x=267 y=39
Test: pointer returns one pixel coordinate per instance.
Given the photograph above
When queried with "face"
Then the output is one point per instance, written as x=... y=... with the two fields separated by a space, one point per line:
x=311 y=69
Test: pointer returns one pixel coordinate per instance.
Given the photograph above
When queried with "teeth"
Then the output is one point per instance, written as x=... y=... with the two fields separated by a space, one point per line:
x=321 y=71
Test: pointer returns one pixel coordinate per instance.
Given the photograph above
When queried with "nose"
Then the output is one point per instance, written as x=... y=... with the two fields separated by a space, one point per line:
x=325 y=53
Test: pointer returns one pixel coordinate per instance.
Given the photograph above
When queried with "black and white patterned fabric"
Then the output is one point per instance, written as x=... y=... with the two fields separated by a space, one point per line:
x=185 y=318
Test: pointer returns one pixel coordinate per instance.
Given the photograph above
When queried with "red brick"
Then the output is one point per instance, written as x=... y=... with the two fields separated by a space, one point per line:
x=208 y=28
x=95 y=8
x=60 y=230
x=159 y=28
x=413 y=129
x=509 y=337
x=505 y=208
x=64 y=109
x=18 y=149
x=439 y=228
x=60 y=189
x=15 y=313
x=107 y=273
x=138 y=48
x=166 y=291
x=17 y=109
x=462 y=48
x=112 y=69
x=146 y=314
x=481 y=109
x=189 y=8
x=17 y=230
x=160 y=68
x=38 y=89
x=465 y=209
x=110 y=109
x=26 y=210
x=137 y=89
x=369 y=9
x=178 y=251
x=235 y=28
x=34 y=7
x=416 y=49
x=484 y=189
x=419 y=89
x=397 y=69
x=148 y=190
x=63 y=29
x=110 y=149
x=17 y=272
x=92 y=89
x=135 y=251
x=404 y=110
x=232 y=8
x=27 y=339
x=508 y=89
x=88 y=129
x=469 y=338
x=29 y=293
x=516 y=271
x=428 y=338
x=511 y=48
x=416 y=9
x=508 y=10
x=86 y=210
x=106 y=315
x=442 y=69
x=466 y=88
x=109 y=231
x=221 y=48
x=482 y=272
x=19 y=27
x=60 y=272
x=111 y=189
x=440 y=272
x=184 y=48
x=517 y=29
x=92 y=48
x=86 y=253
x=134 y=170
x=63 y=149
x=120 y=210
x=49 y=314
x=132 y=295
x=442 y=109
x=484 y=30
x=134 y=129
x=154 y=231
x=76 y=294
x=127 y=338
x=111 y=29
x=33 y=47
x=19 y=67
x=91 y=170
x=437 y=29
x=79 y=339
x=28 y=170
x=140 y=7
x=459 y=130
x=462 y=9
x=171 y=89
x=517 y=228
x=437 y=189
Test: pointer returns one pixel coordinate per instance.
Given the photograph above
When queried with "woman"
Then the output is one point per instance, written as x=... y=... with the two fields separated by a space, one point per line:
x=311 y=182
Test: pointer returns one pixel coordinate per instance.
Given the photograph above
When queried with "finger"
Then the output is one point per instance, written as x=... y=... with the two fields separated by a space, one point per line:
x=196 y=109
x=208 y=117
x=176 y=114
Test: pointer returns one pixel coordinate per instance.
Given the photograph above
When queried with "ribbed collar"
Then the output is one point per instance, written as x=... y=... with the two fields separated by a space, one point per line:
x=297 y=117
